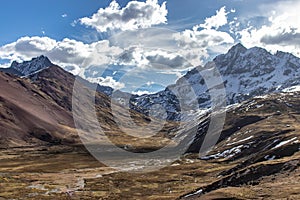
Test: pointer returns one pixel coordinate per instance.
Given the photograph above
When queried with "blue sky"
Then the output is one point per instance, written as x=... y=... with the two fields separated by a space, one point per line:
x=32 y=17
x=176 y=35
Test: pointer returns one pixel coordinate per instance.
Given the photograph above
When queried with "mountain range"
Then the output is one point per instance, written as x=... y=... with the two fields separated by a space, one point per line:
x=258 y=145
x=36 y=108
x=246 y=73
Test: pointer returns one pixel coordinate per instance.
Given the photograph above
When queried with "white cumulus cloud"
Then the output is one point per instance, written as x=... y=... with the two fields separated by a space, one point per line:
x=26 y=47
x=158 y=59
x=107 y=81
x=282 y=32
x=216 y=21
x=67 y=52
x=133 y=16
x=195 y=43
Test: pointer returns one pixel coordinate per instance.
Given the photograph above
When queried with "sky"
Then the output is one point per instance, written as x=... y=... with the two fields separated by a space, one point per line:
x=142 y=46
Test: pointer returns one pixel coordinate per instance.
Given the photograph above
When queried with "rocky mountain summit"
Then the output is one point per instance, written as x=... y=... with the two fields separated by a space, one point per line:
x=246 y=73
x=28 y=67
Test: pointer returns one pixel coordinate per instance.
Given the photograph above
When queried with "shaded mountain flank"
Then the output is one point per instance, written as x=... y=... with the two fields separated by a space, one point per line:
x=261 y=141
x=38 y=109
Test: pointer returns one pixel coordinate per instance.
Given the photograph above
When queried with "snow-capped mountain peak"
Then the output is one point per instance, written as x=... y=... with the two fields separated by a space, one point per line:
x=236 y=50
x=34 y=65
x=245 y=72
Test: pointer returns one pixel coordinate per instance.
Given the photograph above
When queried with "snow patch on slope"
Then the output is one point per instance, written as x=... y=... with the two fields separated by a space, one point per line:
x=292 y=89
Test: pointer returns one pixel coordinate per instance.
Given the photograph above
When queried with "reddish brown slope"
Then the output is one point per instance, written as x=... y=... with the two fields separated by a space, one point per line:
x=57 y=84
x=29 y=116
x=41 y=110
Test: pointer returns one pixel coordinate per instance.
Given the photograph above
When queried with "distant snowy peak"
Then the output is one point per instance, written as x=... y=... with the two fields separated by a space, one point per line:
x=255 y=71
x=29 y=67
x=240 y=60
x=246 y=73
x=235 y=51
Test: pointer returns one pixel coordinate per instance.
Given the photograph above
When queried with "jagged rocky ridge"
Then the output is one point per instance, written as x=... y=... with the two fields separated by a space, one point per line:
x=245 y=72
x=31 y=68
x=28 y=67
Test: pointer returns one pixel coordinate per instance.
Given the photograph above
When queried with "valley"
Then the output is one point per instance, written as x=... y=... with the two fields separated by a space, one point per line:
x=46 y=154
x=247 y=163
